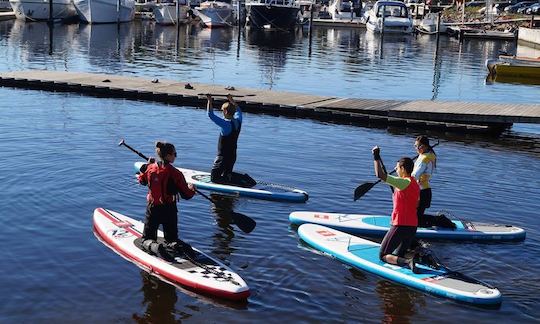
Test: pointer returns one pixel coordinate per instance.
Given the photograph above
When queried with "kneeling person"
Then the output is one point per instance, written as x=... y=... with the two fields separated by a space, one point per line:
x=404 y=219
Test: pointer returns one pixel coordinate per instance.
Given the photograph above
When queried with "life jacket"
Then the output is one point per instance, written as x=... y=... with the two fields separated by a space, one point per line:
x=405 y=205
x=429 y=159
x=227 y=144
x=162 y=189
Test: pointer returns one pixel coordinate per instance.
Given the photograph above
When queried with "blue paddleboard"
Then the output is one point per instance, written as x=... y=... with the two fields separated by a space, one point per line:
x=261 y=190
x=364 y=254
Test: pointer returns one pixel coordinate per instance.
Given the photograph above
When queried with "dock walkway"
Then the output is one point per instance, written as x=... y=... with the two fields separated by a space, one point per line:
x=418 y=114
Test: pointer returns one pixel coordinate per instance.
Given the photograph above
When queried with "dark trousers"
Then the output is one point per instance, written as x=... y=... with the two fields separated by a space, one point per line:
x=424 y=203
x=166 y=215
x=222 y=169
x=397 y=238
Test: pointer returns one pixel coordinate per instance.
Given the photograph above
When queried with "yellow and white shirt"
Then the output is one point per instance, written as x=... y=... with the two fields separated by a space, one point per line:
x=423 y=169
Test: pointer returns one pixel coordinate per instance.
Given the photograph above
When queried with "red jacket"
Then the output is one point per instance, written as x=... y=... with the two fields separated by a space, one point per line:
x=164 y=183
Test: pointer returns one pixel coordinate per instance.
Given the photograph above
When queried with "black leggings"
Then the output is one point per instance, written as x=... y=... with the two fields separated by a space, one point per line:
x=222 y=169
x=424 y=203
x=167 y=215
x=398 y=237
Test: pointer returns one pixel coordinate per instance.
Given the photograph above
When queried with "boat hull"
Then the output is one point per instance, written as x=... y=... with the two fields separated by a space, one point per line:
x=105 y=11
x=272 y=17
x=221 y=15
x=39 y=9
x=165 y=14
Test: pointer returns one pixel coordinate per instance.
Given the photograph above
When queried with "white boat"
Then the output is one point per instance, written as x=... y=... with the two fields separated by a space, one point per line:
x=105 y=11
x=216 y=13
x=341 y=10
x=39 y=9
x=396 y=18
x=429 y=24
x=165 y=12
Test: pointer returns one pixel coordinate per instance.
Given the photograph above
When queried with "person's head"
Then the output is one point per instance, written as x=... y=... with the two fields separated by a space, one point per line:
x=422 y=144
x=166 y=152
x=228 y=110
x=404 y=167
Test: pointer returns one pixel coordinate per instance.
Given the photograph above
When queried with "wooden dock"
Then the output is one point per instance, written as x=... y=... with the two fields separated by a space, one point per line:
x=418 y=114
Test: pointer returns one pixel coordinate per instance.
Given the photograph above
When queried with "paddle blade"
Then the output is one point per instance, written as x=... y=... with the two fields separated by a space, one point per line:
x=245 y=223
x=363 y=189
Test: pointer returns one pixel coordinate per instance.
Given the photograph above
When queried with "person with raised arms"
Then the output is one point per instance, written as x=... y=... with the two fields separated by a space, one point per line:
x=404 y=220
x=230 y=125
x=423 y=170
x=165 y=183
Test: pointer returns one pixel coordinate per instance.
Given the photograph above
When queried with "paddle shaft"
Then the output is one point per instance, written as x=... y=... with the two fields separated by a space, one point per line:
x=146 y=158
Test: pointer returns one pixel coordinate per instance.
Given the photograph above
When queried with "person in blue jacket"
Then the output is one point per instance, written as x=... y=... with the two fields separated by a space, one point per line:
x=230 y=126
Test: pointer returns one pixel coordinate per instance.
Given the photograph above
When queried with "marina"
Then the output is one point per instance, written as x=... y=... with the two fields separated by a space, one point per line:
x=315 y=99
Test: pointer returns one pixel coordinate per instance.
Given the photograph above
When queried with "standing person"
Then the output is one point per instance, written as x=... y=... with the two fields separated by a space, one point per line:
x=230 y=125
x=423 y=170
x=165 y=183
x=405 y=202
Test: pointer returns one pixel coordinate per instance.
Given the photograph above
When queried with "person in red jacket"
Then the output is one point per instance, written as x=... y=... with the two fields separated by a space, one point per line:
x=165 y=183
x=404 y=219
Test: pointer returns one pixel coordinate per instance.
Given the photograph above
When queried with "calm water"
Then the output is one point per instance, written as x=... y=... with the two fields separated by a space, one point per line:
x=62 y=161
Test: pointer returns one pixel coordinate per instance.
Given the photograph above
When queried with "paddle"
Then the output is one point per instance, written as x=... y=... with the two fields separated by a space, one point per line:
x=245 y=223
x=365 y=187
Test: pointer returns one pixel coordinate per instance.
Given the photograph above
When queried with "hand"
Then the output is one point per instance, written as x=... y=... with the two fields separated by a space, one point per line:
x=376 y=153
x=191 y=187
x=151 y=160
x=209 y=97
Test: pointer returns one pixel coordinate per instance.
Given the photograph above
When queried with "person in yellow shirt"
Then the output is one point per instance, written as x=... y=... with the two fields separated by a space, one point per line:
x=423 y=170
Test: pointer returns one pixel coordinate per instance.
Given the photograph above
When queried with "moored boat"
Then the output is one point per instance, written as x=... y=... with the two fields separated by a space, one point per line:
x=167 y=12
x=396 y=18
x=39 y=9
x=216 y=13
x=515 y=66
x=272 y=14
x=105 y=11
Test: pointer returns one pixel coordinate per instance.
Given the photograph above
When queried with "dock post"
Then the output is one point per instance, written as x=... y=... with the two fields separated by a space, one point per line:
x=51 y=11
x=310 y=18
x=383 y=17
x=177 y=12
x=239 y=8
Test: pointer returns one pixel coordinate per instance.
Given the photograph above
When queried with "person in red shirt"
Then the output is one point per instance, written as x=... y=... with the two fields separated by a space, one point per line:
x=165 y=183
x=404 y=219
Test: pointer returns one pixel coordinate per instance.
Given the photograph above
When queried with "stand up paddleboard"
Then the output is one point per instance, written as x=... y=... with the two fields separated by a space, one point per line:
x=374 y=225
x=261 y=190
x=364 y=254
x=199 y=273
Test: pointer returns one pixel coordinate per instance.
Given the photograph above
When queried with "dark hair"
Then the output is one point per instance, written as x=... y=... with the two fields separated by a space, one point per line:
x=424 y=140
x=407 y=164
x=164 y=148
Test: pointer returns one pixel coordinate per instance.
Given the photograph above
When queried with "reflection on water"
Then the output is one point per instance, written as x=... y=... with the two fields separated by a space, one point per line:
x=332 y=61
x=399 y=303
x=159 y=298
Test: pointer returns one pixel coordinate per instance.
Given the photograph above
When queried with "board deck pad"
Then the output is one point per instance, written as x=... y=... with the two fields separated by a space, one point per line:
x=378 y=225
x=364 y=254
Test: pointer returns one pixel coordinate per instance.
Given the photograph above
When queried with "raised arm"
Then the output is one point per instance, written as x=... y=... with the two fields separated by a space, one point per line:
x=377 y=165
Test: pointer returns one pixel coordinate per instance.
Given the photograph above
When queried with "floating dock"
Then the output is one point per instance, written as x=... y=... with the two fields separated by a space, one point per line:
x=463 y=117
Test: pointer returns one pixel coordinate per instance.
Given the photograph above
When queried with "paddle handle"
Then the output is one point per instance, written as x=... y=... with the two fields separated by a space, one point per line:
x=122 y=142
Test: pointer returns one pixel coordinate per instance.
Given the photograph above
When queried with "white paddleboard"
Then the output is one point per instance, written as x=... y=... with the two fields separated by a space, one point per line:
x=201 y=273
x=378 y=225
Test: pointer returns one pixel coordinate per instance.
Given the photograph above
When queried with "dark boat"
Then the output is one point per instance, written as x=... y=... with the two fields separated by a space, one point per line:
x=273 y=14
